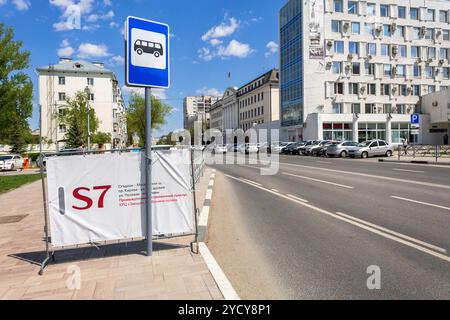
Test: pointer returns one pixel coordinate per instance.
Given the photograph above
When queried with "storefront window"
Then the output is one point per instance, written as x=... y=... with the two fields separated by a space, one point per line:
x=399 y=131
x=371 y=131
x=338 y=131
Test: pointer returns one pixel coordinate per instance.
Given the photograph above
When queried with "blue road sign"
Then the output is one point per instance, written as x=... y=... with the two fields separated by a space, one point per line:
x=415 y=118
x=147 y=53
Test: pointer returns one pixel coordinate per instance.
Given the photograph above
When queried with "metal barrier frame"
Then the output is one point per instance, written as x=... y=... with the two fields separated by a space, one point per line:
x=50 y=250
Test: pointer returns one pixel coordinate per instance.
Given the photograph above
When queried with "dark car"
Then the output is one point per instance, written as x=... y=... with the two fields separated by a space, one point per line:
x=321 y=151
x=289 y=148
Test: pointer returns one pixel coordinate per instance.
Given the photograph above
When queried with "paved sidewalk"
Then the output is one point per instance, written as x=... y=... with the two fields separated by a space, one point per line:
x=117 y=271
x=411 y=159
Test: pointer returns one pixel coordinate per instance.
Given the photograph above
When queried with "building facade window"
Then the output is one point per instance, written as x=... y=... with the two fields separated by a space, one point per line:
x=385 y=50
x=443 y=16
x=336 y=26
x=338 y=6
x=339 y=47
x=401 y=12
x=399 y=131
x=369 y=28
x=90 y=81
x=337 y=108
x=402 y=50
x=338 y=131
x=353 y=47
x=414 y=13
x=372 y=49
x=430 y=15
x=353 y=88
x=337 y=67
x=353 y=7
x=384 y=10
x=415 y=52
x=417 y=71
x=356 y=68
x=371 y=89
x=61 y=81
x=356 y=108
x=446 y=35
x=371 y=131
x=416 y=33
x=387 y=30
x=62 y=96
x=369 y=68
x=356 y=28
x=371 y=9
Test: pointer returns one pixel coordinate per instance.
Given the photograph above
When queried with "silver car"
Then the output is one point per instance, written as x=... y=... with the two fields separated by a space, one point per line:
x=341 y=149
x=11 y=162
x=372 y=149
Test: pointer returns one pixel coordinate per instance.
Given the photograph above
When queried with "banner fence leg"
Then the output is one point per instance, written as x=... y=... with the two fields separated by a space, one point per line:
x=148 y=162
x=195 y=205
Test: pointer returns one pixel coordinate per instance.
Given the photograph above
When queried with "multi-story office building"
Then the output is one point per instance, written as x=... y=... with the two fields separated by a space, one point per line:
x=197 y=109
x=215 y=115
x=61 y=81
x=259 y=100
x=435 y=118
x=356 y=69
x=230 y=116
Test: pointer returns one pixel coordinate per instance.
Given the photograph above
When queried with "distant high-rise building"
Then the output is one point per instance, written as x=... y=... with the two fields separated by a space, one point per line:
x=355 y=70
x=197 y=109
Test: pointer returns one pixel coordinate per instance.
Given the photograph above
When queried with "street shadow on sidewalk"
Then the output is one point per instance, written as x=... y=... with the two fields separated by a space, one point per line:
x=95 y=252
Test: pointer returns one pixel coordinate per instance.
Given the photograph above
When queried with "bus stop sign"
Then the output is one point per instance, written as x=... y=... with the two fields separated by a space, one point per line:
x=147 y=53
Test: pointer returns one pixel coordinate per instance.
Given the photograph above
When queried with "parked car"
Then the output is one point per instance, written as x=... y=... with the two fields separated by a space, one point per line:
x=290 y=148
x=371 y=149
x=341 y=149
x=321 y=150
x=220 y=149
x=248 y=148
x=277 y=147
x=263 y=147
x=11 y=162
x=287 y=148
x=301 y=148
x=317 y=144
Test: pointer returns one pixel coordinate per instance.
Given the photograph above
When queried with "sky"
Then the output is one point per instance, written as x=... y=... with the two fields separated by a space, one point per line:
x=209 y=39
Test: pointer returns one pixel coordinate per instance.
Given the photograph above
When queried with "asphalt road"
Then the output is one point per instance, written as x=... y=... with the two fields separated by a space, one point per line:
x=312 y=230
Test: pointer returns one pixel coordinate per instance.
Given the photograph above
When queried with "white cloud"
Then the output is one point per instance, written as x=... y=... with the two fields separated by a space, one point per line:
x=235 y=49
x=113 y=24
x=107 y=3
x=215 y=42
x=157 y=93
x=65 y=49
x=96 y=17
x=118 y=60
x=21 y=4
x=2 y=2
x=213 y=92
x=90 y=50
x=205 y=54
x=222 y=30
x=72 y=12
x=272 y=46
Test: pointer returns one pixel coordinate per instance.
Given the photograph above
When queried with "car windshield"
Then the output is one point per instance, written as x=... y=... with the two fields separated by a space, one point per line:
x=5 y=158
x=365 y=144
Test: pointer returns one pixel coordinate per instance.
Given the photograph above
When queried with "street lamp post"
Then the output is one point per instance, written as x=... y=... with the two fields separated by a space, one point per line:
x=88 y=93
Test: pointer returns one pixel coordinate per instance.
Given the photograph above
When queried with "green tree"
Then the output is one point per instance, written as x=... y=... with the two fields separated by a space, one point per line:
x=16 y=90
x=101 y=138
x=136 y=116
x=74 y=116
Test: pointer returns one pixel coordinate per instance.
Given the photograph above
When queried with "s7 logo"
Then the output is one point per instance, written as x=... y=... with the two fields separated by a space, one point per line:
x=88 y=200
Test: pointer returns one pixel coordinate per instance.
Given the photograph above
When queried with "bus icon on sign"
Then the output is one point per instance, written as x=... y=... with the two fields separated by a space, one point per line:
x=149 y=47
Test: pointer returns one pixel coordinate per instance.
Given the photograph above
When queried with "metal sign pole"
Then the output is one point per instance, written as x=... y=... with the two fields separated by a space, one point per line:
x=148 y=162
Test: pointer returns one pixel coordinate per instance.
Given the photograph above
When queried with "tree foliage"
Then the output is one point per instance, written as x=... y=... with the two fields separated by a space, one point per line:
x=16 y=91
x=136 y=116
x=74 y=116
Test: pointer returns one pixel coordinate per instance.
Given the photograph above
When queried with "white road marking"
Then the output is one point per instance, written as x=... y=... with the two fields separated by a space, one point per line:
x=405 y=170
x=275 y=190
x=297 y=198
x=219 y=276
x=317 y=180
x=433 y=247
x=253 y=182
x=355 y=223
x=420 y=202
x=204 y=216
x=324 y=162
x=428 y=184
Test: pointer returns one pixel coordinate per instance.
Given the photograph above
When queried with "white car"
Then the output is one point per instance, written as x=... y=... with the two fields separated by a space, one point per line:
x=248 y=148
x=11 y=162
x=220 y=149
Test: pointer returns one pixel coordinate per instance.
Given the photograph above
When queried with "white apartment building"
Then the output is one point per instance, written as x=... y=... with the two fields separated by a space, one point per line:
x=259 y=101
x=435 y=118
x=230 y=111
x=356 y=69
x=61 y=81
x=197 y=109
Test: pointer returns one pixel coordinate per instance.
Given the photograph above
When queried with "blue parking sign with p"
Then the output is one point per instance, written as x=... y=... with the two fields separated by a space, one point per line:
x=415 y=118
x=147 y=53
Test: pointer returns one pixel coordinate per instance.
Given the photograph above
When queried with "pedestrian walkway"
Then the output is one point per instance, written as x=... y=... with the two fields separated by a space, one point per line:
x=116 y=271
x=411 y=159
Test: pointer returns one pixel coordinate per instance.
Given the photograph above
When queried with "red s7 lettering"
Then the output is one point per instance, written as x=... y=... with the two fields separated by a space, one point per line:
x=89 y=202
x=102 y=196
x=78 y=196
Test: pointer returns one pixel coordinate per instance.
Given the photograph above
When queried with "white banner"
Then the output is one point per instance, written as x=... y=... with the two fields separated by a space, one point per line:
x=97 y=198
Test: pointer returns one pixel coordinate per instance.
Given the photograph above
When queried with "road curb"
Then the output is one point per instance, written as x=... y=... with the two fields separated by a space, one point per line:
x=219 y=276
x=415 y=162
